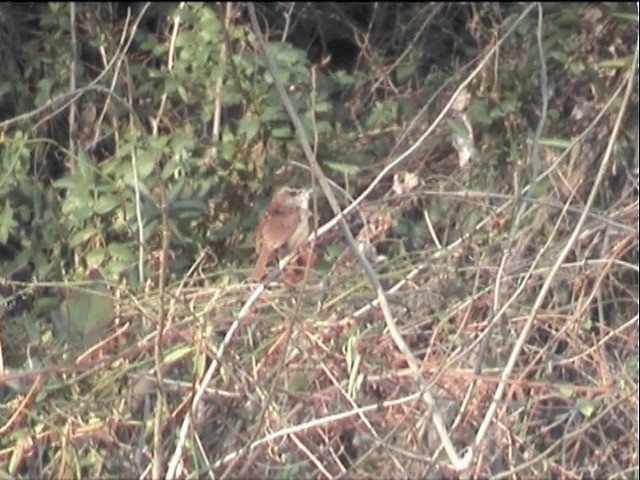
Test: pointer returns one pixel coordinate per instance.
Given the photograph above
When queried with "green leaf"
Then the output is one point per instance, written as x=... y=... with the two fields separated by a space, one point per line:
x=171 y=84
x=44 y=91
x=64 y=182
x=458 y=127
x=623 y=62
x=186 y=39
x=121 y=251
x=566 y=391
x=7 y=223
x=324 y=127
x=178 y=353
x=145 y=163
x=405 y=70
x=332 y=251
x=189 y=208
x=181 y=140
x=586 y=406
x=85 y=168
x=184 y=96
x=281 y=132
x=95 y=257
x=272 y=113
x=586 y=323
x=248 y=126
x=298 y=383
x=630 y=17
x=85 y=313
x=106 y=203
x=5 y=87
x=383 y=113
x=555 y=142
x=78 y=205
x=539 y=190
x=342 y=78
x=4 y=234
x=82 y=236
x=342 y=168
x=479 y=113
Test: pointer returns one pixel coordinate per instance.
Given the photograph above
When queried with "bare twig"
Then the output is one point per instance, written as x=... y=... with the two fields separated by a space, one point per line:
x=62 y=101
x=72 y=75
x=544 y=92
x=457 y=462
x=397 y=161
x=563 y=254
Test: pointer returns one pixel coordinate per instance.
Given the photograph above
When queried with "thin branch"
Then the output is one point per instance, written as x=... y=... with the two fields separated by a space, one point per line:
x=397 y=161
x=544 y=91
x=604 y=165
x=457 y=462
x=62 y=101
x=72 y=76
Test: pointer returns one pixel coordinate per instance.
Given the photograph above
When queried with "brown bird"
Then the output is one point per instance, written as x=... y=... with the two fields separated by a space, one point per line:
x=283 y=225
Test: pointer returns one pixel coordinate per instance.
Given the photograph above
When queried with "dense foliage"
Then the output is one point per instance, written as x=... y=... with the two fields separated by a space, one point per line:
x=138 y=144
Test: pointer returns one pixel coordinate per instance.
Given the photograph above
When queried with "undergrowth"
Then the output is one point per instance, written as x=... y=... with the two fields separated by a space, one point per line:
x=506 y=241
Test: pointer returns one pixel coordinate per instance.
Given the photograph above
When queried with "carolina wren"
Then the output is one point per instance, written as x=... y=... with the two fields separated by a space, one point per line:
x=283 y=225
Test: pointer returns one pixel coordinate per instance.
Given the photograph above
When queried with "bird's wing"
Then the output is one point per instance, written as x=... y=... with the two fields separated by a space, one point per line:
x=285 y=227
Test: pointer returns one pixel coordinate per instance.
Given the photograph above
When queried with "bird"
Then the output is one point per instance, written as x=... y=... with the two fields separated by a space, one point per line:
x=282 y=226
